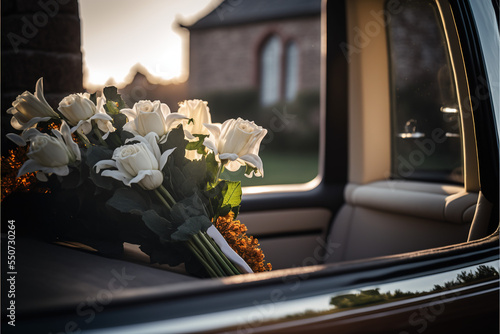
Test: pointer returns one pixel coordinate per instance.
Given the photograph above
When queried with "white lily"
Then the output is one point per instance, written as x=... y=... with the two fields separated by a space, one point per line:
x=236 y=143
x=47 y=154
x=28 y=109
x=140 y=163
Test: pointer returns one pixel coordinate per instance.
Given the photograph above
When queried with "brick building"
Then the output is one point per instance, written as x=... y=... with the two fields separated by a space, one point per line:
x=269 y=47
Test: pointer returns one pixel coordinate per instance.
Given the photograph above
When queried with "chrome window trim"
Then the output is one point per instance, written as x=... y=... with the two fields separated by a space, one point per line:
x=489 y=37
x=299 y=312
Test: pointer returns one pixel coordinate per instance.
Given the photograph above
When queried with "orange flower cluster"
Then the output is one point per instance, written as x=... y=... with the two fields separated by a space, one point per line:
x=247 y=247
x=10 y=167
x=12 y=162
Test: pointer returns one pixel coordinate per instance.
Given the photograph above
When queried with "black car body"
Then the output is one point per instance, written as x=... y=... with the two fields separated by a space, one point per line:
x=369 y=254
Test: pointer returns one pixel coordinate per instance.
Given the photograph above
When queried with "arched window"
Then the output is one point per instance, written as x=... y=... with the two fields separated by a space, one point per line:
x=270 y=71
x=292 y=71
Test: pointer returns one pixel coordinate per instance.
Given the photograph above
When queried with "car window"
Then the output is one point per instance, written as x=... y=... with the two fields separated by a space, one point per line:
x=425 y=115
x=265 y=66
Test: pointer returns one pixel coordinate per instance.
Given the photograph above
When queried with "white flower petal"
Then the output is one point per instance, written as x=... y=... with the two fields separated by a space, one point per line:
x=72 y=146
x=164 y=157
x=152 y=140
x=233 y=166
x=130 y=113
x=41 y=97
x=141 y=175
x=214 y=129
x=164 y=109
x=17 y=139
x=189 y=136
x=104 y=117
x=210 y=144
x=29 y=166
x=31 y=133
x=228 y=156
x=253 y=160
x=33 y=122
x=171 y=118
x=16 y=124
x=41 y=176
x=104 y=164
x=61 y=170
x=117 y=175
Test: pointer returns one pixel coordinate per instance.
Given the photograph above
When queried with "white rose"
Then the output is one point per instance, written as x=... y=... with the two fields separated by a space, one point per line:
x=48 y=154
x=237 y=143
x=139 y=163
x=80 y=111
x=199 y=112
x=28 y=109
x=147 y=116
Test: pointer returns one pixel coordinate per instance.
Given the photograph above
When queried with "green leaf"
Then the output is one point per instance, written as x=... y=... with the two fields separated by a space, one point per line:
x=197 y=145
x=192 y=206
x=191 y=226
x=93 y=155
x=196 y=171
x=249 y=169
x=93 y=98
x=111 y=94
x=112 y=107
x=176 y=139
x=232 y=195
x=212 y=169
x=159 y=225
x=119 y=120
x=216 y=197
x=127 y=200
x=96 y=154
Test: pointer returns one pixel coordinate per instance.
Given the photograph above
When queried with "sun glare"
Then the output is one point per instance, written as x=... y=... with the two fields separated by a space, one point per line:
x=145 y=33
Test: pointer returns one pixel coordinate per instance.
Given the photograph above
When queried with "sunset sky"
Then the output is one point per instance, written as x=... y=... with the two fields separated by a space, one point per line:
x=117 y=34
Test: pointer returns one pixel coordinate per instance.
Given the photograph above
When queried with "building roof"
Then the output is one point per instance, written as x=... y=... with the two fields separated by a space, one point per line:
x=233 y=12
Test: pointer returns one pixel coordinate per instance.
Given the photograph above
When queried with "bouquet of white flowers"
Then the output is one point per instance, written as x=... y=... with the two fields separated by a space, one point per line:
x=146 y=175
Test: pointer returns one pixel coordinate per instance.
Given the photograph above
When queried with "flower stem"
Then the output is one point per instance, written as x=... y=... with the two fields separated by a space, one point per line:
x=84 y=139
x=209 y=257
x=165 y=192
x=219 y=172
x=199 y=255
x=217 y=253
x=163 y=200
x=234 y=270
x=98 y=134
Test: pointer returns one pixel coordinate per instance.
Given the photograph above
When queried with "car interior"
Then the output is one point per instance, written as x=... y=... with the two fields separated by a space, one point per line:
x=379 y=190
x=381 y=215
x=403 y=171
x=359 y=207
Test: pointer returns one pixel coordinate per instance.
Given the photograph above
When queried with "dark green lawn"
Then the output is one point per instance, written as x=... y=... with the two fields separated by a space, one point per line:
x=280 y=168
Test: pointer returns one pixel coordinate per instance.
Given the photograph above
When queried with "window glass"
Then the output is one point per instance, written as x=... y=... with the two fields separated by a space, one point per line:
x=425 y=116
x=270 y=71
x=292 y=71
x=236 y=55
